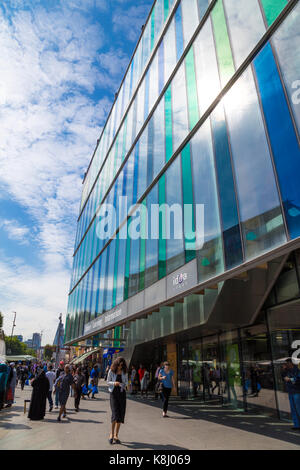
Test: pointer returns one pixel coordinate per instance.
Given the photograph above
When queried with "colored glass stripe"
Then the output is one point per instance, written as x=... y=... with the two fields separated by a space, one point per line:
x=127 y=264
x=272 y=8
x=143 y=246
x=188 y=201
x=282 y=136
x=202 y=7
x=116 y=271
x=228 y=204
x=191 y=89
x=179 y=32
x=224 y=54
x=135 y=173
x=162 y=247
x=152 y=28
x=166 y=9
x=168 y=124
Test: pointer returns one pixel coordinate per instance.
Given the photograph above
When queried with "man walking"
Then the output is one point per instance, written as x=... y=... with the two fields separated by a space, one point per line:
x=59 y=372
x=51 y=377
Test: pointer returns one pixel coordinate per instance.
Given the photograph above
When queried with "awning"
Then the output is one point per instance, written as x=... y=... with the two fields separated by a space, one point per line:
x=84 y=356
x=19 y=358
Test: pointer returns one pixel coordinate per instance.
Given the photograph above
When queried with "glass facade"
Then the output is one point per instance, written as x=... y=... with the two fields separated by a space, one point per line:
x=207 y=115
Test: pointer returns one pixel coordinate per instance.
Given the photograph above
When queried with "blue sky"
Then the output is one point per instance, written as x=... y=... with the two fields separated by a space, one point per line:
x=61 y=63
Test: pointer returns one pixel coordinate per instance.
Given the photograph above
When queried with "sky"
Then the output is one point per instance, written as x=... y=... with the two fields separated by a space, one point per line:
x=61 y=63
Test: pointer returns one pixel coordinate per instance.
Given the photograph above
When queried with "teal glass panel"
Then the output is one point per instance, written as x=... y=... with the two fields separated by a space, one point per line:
x=272 y=9
x=224 y=53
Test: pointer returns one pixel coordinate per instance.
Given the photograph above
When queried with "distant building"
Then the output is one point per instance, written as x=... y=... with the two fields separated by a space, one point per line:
x=28 y=343
x=36 y=340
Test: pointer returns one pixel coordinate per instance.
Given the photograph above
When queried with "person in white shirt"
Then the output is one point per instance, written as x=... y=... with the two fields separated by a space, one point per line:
x=51 y=377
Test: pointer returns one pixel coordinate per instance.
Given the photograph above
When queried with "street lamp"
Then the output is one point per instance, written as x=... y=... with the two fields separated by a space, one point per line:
x=12 y=331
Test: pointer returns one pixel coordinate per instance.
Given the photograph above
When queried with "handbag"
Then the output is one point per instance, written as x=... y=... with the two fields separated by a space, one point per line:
x=9 y=395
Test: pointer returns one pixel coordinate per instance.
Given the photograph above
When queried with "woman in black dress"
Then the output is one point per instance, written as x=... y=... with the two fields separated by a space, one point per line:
x=37 y=408
x=117 y=380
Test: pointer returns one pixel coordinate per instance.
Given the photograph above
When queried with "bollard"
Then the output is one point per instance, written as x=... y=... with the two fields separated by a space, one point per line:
x=25 y=401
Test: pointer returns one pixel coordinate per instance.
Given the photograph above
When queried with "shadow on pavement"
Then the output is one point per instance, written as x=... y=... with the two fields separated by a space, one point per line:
x=255 y=423
x=147 y=446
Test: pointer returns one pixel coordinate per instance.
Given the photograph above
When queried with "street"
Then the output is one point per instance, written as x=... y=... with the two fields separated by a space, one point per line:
x=190 y=426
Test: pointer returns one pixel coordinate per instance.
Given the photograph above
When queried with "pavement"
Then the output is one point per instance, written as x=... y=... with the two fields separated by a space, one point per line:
x=191 y=425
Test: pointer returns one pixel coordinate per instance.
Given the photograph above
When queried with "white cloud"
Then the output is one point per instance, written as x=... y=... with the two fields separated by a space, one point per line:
x=15 y=231
x=52 y=64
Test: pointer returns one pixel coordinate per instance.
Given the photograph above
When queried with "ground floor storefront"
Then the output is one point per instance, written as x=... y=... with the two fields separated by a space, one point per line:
x=240 y=367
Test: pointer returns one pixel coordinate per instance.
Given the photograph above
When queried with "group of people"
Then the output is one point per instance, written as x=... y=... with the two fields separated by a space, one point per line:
x=65 y=381
x=57 y=385
x=8 y=383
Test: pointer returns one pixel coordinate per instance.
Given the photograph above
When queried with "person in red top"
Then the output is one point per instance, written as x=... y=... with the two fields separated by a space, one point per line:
x=141 y=373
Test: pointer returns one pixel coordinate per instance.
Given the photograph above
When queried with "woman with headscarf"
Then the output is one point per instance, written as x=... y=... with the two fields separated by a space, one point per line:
x=3 y=381
x=37 y=408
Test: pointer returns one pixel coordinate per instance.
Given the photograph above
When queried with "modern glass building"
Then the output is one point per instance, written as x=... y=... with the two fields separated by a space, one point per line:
x=205 y=125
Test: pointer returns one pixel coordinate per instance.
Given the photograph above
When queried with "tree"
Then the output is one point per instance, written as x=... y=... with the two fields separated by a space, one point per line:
x=14 y=347
x=48 y=351
x=1 y=320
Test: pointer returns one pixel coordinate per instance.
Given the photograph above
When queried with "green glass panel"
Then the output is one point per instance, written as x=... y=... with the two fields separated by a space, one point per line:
x=191 y=88
x=168 y=123
x=166 y=9
x=116 y=271
x=188 y=201
x=224 y=53
x=152 y=28
x=143 y=247
x=162 y=247
x=273 y=8
x=127 y=264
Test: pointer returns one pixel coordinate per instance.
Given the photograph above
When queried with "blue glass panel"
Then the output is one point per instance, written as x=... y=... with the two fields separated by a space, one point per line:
x=282 y=135
x=202 y=7
x=229 y=212
x=179 y=32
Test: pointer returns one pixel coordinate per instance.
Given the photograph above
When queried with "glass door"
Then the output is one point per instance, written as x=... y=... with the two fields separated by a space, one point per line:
x=230 y=370
x=258 y=370
x=211 y=372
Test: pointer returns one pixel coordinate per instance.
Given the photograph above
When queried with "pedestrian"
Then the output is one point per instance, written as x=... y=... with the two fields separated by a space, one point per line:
x=166 y=376
x=23 y=376
x=117 y=381
x=37 y=407
x=141 y=372
x=59 y=371
x=11 y=385
x=157 y=382
x=79 y=382
x=63 y=383
x=3 y=381
x=95 y=374
x=50 y=374
x=145 y=383
x=134 y=381
x=291 y=377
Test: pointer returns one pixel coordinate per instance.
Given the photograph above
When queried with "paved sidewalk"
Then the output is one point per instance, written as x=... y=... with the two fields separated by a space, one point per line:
x=190 y=426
